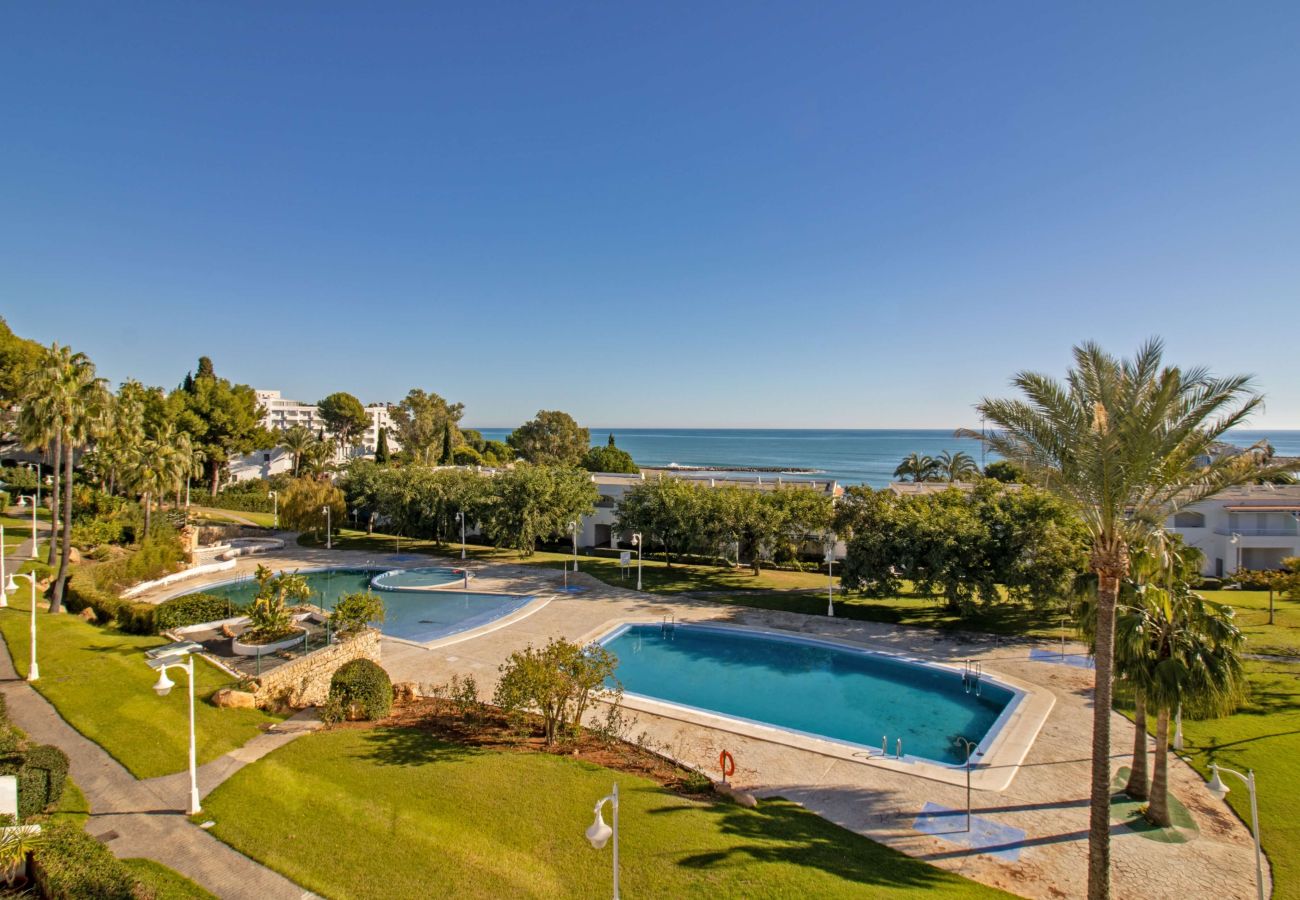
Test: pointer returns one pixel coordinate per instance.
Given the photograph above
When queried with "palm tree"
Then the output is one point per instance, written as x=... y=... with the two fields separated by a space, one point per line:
x=917 y=468
x=318 y=457
x=1127 y=443
x=297 y=440
x=40 y=428
x=959 y=466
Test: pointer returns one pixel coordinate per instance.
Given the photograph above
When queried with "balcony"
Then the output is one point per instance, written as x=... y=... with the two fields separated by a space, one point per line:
x=1283 y=531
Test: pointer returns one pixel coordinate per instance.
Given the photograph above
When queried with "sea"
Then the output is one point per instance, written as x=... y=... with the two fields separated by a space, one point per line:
x=849 y=456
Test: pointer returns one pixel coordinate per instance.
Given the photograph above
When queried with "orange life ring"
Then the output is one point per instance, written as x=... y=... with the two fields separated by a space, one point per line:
x=727 y=763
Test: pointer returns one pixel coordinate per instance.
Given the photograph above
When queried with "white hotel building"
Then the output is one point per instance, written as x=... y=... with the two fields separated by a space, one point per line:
x=1251 y=527
x=280 y=414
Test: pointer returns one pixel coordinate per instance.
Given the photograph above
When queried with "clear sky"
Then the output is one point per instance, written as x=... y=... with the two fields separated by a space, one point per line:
x=709 y=214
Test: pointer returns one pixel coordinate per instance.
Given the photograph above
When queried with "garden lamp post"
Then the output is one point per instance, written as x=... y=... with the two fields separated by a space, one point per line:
x=34 y=505
x=1178 y=728
x=4 y=582
x=163 y=687
x=275 y=508
x=599 y=833
x=33 y=671
x=1235 y=540
x=325 y=509
x=1220 y=790
x=573 y=529
x=636 y=542
x=460 y=517
x=830 y=577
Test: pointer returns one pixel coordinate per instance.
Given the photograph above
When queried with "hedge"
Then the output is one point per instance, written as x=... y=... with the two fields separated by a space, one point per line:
x=42 y=772
x=81 y=593
x=194 y=609
x=364 y=683
x=72 y=865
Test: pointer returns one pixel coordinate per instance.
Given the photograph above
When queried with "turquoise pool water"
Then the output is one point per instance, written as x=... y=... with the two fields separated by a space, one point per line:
x=808 y=686
x=413 y=616
x=420 y=577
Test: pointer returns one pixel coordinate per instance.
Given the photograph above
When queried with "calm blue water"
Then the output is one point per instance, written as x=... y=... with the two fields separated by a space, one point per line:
x=419 y=577
x=850 y=456
x=813 y=688
x=420 y=616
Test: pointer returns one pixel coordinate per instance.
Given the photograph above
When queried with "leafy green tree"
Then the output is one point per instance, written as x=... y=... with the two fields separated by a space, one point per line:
x=223 y=420
x=917 y=468
x=529 y=503
x=497 y=454
x=344 y=417
x=1127 y=443
x=609 y=459
x=421 y=420
x=670 y=512
x=19 y=360
x=1006 y=472
x=301 y=507
x=557 y=682
x=466 y=456
x=957 y=466
x=551 y=438
x=356 y=612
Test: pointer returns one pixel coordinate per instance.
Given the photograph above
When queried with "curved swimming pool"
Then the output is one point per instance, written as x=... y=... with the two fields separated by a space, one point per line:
x=419 y=578
x=419 y=616
x=811 y=687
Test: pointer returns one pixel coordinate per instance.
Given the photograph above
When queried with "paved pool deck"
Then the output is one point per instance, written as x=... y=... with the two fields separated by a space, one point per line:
x=1029 y=838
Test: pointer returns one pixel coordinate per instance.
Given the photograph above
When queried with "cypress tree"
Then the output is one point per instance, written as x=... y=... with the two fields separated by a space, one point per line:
x=381 y=447
x=448 y=444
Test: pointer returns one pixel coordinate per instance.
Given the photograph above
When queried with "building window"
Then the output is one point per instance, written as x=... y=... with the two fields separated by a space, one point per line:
x=1189 y=520
x=266 y=457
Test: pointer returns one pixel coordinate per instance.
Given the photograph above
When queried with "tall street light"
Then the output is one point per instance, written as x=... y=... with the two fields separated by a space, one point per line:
x=325 y=509
x=599 y=833
x=460 y=517
x=181 y=660
x=636 y=542
x=33 y=671
x=275 y=507
x=573 y=529
x=1220 y=790
x=1235 y=540
x=830 y=576
x=34 y=505
x=4 y=582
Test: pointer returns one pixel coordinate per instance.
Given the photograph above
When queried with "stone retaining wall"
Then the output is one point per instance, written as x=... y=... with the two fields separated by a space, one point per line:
x=306 y=681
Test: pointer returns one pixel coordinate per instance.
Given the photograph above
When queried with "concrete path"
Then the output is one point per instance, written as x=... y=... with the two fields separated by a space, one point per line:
x=146 y=818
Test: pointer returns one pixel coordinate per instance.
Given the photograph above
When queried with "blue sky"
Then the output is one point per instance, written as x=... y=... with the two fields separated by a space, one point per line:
x=750 y=214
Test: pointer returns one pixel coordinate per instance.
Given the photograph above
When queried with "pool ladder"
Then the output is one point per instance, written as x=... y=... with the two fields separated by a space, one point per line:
x=972 y=676
x=668 y=626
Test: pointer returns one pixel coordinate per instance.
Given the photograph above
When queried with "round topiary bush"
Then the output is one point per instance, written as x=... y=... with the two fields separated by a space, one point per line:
x=364 y=686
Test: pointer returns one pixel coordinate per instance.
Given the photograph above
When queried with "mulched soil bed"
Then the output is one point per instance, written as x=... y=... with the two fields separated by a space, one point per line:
x=490 y=729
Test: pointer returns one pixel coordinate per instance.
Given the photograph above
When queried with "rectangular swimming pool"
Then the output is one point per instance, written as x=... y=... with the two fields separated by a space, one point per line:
x=809 y=686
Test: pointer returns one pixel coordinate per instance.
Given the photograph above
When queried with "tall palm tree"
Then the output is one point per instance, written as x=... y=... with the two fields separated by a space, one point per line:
x=297 y=440
x=40 y=428
x=917 y=468
x=81 y=399
x=318 y=458
x=1127 y=443
x=959 y=466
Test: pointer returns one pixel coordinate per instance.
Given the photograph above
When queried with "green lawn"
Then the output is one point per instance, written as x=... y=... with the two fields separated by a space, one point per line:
x=164 y=883
x=656 y=575
x=1264 y=736
x=1282 y=637
x=227 y=516
x=98 y=680
x=394 y=813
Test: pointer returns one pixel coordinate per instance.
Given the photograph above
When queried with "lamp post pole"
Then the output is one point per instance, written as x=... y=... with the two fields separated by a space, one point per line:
x=460 y=517
x=1235 y=540
x=636 y=542
x=830 y=577
x=573 y=529
x=4 y=582
x=34 y=505
x=275 y=508
x=1220 y=790
x=325 y=509
x=599 y=833
x=33 y=671
x=163 y=688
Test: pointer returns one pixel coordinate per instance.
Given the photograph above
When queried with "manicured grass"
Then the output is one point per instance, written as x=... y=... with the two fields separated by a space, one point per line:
x=163 y=883
x=1282 y=638
x=395 y=813
x=1264 y=736
x=72 y=806
x=98 y=680
x=656 y=575
x=265 y=519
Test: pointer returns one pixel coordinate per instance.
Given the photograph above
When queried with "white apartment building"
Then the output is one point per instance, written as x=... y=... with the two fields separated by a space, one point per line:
x=1250 y=527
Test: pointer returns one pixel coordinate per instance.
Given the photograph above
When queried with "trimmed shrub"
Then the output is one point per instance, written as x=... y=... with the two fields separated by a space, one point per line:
x=365 y=685
x=81 y=592
x=41 y=771
x=53 y=762
x=73 y=865
x=354 y=613
x=194 y=609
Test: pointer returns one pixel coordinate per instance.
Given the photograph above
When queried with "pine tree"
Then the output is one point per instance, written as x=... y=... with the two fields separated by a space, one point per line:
x=610 y=443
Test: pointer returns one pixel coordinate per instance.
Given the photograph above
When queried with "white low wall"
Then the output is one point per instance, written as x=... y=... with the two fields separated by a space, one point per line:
x=205 y=569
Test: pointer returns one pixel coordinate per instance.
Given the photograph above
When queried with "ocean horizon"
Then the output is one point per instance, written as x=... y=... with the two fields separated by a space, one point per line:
x=847 y=455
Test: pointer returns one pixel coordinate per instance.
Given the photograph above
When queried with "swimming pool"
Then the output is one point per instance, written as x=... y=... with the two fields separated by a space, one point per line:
x=418 y=616
x=417 y=579
x=811 y=687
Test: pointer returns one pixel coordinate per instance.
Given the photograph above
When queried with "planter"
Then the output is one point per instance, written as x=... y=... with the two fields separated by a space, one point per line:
x=239 y=648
